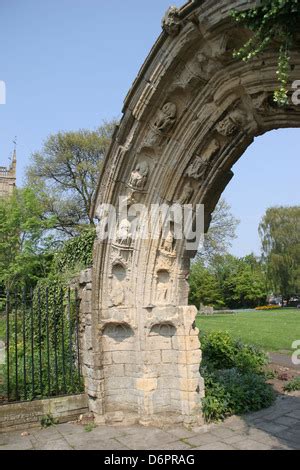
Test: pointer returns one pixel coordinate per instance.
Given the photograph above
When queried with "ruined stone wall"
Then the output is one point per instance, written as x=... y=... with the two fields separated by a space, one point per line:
x=134 y=384
x=189 y=116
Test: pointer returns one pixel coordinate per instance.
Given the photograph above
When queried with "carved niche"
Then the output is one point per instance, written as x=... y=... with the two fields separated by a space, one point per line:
x=139 y=175
x=162 y=123
x=118 y=331
x=163 y=286
x=117 y=294
x=232 y=123
x=163 y=329
x=171 y=21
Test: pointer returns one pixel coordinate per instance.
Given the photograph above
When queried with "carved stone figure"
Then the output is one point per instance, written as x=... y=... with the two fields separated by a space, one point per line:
x=198 y=168
x=186 y=194
x=161 y=125
x=201 y=164
x=197 y=71
x=124 y=236
x=211 y=150
x=206 y=66
x=232 y=123
x=165 y=117
x=171 y=21
x=168 y=242
x=138 y=177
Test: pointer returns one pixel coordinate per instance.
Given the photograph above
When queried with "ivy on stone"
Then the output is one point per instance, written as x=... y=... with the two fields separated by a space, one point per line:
x=271 y=21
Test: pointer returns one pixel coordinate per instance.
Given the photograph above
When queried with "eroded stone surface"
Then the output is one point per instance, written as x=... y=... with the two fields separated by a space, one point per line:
x=189 y=116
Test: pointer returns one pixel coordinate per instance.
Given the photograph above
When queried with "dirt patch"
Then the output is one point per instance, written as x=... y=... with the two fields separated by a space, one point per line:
x=280 y=376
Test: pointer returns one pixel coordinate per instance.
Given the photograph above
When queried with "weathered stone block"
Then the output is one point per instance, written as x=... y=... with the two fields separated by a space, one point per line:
x=170 y=356
x=146 y=384
x=124 y=357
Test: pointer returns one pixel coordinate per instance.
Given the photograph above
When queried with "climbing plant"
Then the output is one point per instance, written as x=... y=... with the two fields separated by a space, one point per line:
x=271 y=20
x=76 y=253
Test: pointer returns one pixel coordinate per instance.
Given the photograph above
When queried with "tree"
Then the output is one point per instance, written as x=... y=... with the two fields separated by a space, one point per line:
x=65 y=172
x=228 y=281
x=24 y=256
x=245 y=284
x=280 y=235
x=220 y=234
x=204 y=286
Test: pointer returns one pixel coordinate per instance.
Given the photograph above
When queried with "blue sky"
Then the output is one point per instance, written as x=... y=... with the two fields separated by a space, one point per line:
x=68 y=64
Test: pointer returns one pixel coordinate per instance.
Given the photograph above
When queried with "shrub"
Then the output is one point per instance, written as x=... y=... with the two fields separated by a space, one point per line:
x=234 y=378
x=293 y=385
x=231 y=392
x=221 y=351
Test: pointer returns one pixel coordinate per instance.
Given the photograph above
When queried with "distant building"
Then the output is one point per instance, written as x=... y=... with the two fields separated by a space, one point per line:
x=8 y=177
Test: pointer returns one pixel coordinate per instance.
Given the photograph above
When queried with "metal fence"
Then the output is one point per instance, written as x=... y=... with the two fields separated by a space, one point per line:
x=40 y=333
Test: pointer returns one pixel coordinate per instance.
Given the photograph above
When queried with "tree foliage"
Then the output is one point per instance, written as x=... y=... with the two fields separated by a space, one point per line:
x=272 y=21
x=280 y=236
x=65 y=173
x=221 y=233
x=24 y=254
x=229 y=282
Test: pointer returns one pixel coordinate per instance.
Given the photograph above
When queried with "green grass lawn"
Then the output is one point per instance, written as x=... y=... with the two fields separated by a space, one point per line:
x=271 y=330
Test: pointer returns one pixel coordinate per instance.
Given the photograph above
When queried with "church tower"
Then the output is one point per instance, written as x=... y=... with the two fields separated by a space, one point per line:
x=8 y=177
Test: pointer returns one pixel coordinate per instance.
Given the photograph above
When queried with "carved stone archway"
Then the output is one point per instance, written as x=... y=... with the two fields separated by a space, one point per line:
x=190 y=114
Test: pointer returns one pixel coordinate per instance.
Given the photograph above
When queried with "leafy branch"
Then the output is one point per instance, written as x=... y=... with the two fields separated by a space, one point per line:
x=271 y=21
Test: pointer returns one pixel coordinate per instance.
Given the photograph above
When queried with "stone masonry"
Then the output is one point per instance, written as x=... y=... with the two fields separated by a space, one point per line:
x=189 y=116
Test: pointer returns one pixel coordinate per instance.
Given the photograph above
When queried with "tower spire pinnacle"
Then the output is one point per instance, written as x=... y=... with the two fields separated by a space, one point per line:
x=14 y=158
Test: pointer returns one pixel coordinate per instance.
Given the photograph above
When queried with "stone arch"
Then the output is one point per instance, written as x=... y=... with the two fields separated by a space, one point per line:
x=190 y=114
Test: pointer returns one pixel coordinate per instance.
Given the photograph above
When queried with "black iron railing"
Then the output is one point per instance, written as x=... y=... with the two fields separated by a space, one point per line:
x=40 y=332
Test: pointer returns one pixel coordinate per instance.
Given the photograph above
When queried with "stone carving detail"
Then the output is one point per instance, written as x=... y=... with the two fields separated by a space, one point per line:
x=168 y=242
x=132 y=197
x=207 y=67
x=139 y=175
x=163 y=286
x=200 y=166
x=199 y=69
x=232 y=123
x=163 y=329
x=124 y=233
x=260 y=102
x=121 y=255
x=162 y=123
x=165 y=117
x=117 y=294
x=186 y=194
x=171 y=21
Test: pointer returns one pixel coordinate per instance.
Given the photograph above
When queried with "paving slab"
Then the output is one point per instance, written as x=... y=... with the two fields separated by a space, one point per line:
x=275 y=428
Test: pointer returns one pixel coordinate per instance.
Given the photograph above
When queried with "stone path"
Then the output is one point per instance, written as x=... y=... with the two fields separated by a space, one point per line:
x=283 y=360
x=277 y=427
